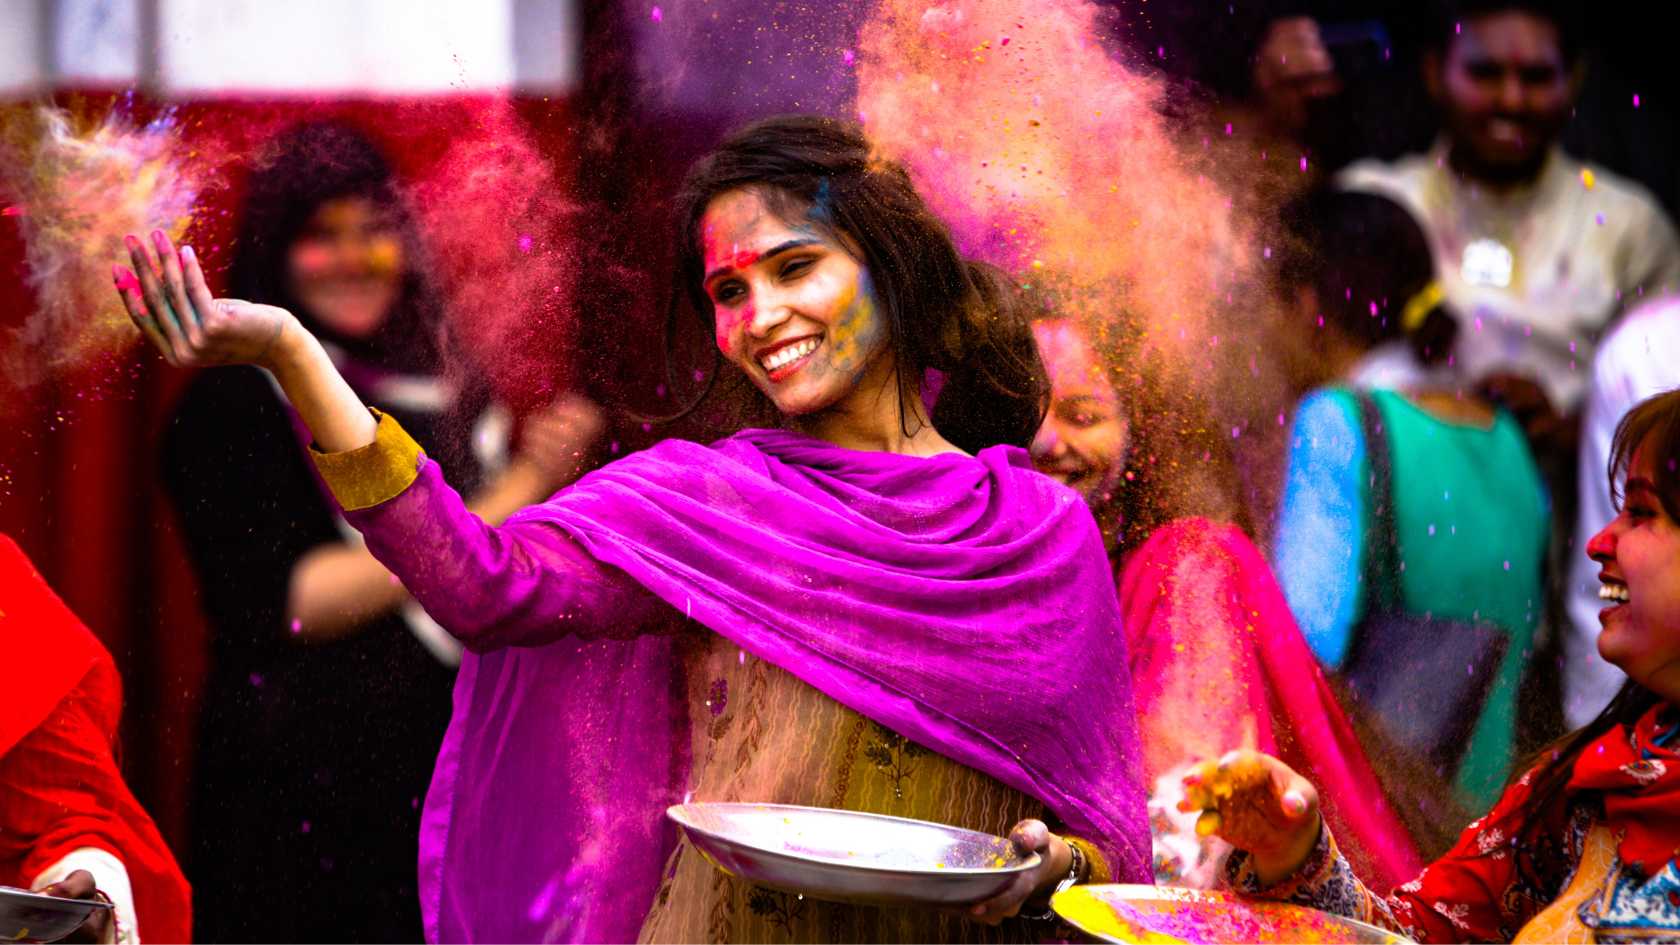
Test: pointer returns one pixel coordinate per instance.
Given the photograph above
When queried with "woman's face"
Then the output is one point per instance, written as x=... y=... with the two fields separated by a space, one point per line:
x=1084 y=437
x=794 y=307
x=1639 y=554
x=346 y=266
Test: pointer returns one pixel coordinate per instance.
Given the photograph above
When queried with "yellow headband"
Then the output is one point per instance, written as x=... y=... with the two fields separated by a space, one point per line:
x=1419 y=306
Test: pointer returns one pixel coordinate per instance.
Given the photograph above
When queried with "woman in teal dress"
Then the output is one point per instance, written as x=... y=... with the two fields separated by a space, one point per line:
x=1469 y=509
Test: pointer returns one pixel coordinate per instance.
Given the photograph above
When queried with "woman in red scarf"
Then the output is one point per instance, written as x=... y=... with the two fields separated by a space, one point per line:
x=1583 y=846
x=68 y=824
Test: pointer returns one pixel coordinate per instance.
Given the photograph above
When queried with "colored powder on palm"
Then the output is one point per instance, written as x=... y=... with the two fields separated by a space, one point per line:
x=74 y=190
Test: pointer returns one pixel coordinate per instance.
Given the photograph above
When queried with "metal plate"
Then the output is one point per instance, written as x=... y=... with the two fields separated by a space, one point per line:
x=27 y=915
x=1162 y=914
x=846 y=856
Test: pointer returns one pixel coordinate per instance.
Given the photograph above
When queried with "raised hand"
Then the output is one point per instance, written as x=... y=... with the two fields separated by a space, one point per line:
x=1255 y=803
x=166 y=296
x=558 y=439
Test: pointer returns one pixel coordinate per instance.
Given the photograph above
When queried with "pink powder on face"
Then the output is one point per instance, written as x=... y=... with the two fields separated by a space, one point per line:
x=728 y=322
x=311 y=259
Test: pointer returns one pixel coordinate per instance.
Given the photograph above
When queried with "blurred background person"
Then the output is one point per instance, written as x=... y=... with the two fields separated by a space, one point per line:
x=1216 y=658
x=1537 y=252
x=1467 y=504
x=329 y=689
x=68 y=824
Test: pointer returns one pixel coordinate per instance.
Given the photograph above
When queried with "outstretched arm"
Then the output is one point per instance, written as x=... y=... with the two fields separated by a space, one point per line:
x=518 y=585
x=338 y=587
x=1270 y=815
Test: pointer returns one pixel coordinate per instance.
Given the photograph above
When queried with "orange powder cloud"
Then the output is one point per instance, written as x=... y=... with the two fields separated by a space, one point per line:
x=1050 y=157
x=75 y=191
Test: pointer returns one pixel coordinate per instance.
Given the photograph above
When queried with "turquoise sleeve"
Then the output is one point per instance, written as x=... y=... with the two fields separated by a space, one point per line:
x=1320 y=531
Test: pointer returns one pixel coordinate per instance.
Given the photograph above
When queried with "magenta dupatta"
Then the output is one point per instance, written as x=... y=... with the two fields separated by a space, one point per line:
x=965 y=602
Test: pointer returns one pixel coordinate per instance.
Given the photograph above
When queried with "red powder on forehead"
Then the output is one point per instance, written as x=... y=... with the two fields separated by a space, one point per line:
x=738 y=259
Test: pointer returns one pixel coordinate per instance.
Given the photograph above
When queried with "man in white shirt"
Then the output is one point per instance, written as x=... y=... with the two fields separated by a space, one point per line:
x=1537 y=252
x=1639 y=359
x=1537 y=255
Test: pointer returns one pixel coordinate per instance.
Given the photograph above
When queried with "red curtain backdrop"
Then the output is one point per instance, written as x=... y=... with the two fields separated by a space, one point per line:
x=79 y=467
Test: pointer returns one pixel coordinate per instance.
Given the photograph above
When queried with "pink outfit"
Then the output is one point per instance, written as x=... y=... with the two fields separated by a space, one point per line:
x=1217 y=661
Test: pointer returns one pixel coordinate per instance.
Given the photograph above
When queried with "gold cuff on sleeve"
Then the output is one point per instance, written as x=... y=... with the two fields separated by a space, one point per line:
x=378 y=472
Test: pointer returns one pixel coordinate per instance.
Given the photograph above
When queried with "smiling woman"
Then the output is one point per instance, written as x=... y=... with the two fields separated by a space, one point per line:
x=848 y=611
x=1639 y=552
x=1585 y=845
x=308 y=629
x=794 y=310
x=1216 y=659
x=835 y=291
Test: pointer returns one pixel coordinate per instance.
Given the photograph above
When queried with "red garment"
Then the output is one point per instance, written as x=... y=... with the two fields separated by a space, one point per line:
x=59 y=784
x=1485 y=889
x=1218 y=662
x=1640 y=783
x=1498 y=877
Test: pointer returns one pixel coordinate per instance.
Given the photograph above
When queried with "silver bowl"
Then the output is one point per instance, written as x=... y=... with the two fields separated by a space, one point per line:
x=846 y=856
x=1131 y=914
x=27 y=916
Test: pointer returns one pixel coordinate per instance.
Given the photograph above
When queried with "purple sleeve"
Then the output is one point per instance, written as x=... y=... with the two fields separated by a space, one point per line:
x=522 y=584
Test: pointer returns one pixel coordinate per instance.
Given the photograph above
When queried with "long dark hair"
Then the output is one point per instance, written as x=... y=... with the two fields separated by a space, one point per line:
x=942 y=313
x=1652 y=425
x=303 y=168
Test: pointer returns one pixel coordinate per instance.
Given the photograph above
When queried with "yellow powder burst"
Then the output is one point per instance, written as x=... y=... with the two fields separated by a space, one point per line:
x=75 y=193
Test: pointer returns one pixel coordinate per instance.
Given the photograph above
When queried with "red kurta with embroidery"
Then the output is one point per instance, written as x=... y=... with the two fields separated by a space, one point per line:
x=1619 y=811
